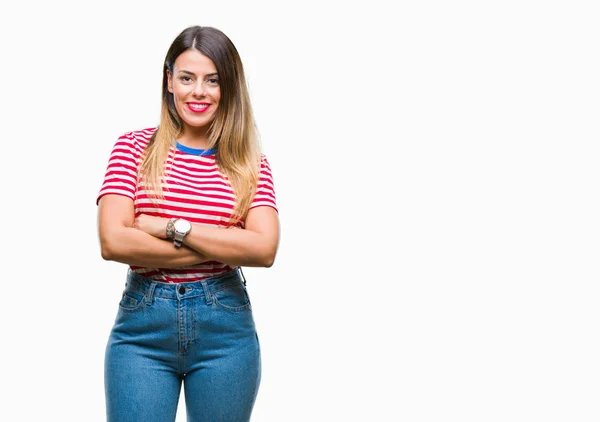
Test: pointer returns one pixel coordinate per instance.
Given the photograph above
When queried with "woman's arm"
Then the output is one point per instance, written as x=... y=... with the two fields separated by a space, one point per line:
x=120 y=241
x=255 y=246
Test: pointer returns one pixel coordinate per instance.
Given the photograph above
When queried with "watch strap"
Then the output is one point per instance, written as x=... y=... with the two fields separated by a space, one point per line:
x=178 y=239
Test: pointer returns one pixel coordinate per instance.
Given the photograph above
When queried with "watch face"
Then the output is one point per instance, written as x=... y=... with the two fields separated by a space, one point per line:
x=182 y=226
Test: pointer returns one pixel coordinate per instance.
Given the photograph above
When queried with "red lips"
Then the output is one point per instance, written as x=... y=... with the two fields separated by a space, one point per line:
x=198 y=107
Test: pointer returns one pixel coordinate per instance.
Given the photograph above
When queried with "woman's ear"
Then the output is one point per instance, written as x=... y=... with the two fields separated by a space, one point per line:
x=169 y=82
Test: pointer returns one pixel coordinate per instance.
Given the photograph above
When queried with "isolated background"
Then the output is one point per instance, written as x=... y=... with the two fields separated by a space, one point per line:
x=436 y=169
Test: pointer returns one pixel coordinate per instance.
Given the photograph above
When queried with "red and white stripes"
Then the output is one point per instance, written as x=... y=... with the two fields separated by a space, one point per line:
x=193 y=188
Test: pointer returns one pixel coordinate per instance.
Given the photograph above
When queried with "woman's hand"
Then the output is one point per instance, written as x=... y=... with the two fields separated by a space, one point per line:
x=155 y=226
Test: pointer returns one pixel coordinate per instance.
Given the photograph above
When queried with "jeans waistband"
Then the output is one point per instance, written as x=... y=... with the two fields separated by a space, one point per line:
x=152 y=288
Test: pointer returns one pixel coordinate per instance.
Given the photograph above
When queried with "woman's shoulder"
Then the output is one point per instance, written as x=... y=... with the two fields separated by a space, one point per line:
x=136 y=139
x=264 y=162
x=139 y=136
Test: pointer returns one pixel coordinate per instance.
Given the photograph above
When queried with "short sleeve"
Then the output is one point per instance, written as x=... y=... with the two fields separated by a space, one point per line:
x=265 y=189
x=121 y=172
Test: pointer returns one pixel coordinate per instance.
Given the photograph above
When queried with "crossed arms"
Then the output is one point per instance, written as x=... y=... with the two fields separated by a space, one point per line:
x=142 y=241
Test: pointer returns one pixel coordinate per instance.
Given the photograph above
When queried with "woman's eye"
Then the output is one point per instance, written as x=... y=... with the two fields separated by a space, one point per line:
x=185 y=78
x=213 y=81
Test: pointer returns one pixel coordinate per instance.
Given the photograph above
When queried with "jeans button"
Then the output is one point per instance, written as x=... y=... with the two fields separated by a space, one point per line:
x=181 y=290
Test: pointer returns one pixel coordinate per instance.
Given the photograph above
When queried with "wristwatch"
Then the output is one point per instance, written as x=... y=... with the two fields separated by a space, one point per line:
x=182 y=227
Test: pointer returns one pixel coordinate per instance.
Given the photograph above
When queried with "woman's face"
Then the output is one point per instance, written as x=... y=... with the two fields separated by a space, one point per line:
x=195 y=88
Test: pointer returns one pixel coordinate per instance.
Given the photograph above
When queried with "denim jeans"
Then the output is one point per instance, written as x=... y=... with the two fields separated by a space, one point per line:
x=200 y=333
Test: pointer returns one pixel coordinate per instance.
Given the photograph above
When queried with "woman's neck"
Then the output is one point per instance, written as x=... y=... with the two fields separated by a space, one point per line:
x=194 y=138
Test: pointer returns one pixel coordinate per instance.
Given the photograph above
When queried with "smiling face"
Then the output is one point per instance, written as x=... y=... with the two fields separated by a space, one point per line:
x=196 y=91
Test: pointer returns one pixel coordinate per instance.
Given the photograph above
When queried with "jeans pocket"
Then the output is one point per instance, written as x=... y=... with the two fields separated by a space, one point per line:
x=232 y=298
x=131 y=299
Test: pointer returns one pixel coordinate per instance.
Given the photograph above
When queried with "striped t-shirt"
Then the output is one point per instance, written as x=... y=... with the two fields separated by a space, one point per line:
x=193 y=188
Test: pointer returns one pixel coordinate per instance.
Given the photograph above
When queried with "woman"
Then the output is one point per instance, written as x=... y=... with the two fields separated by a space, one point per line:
x=185 y=205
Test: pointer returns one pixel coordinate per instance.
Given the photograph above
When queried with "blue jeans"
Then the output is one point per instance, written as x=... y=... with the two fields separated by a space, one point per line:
x=200 y=333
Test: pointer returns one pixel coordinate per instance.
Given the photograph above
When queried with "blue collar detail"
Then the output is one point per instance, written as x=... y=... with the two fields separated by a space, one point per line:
x=195 y=151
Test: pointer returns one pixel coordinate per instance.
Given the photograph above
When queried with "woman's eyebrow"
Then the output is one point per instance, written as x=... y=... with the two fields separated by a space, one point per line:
x=193 y=74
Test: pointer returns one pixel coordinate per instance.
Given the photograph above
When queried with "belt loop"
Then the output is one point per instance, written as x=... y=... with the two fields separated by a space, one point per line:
x=242 y=274
x=207 y=294
x=150 y=293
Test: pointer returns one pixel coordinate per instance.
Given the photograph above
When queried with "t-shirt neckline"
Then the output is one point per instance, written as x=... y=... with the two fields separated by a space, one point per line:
x=194 y=151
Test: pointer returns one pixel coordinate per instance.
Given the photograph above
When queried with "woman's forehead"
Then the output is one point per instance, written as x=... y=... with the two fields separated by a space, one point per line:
x=193 y=61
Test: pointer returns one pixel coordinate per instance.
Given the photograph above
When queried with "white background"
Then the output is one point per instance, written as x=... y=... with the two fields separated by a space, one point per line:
x=436 y=168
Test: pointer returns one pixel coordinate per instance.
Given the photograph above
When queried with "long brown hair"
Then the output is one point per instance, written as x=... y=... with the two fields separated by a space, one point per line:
x=232 y=133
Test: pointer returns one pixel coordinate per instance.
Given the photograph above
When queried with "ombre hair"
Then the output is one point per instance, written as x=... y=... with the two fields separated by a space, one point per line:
x=232 y=133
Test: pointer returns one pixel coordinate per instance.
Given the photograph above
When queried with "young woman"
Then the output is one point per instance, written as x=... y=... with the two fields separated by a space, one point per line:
x=186 y=205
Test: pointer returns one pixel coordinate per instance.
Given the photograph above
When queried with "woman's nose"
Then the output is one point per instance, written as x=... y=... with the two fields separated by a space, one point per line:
x=199 y=90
